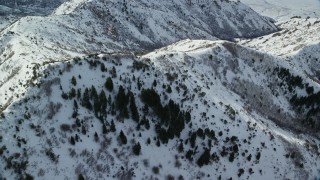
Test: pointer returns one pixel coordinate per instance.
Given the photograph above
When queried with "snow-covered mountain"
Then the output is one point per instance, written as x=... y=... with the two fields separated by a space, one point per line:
x=285 y=9
x=28 y=7
x=195 y=100
x=148 y=90
x=91 y=27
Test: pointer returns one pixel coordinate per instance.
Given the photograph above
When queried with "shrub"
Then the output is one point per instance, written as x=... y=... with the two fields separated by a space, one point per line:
x=155 y=170
x=65 y=127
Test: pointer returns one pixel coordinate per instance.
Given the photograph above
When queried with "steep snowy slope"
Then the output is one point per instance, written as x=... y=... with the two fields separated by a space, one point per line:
x=28 y=7
x=109 y=26
x=298 y=43
x=223 y=19
x=195 y=109
x=83 y=93
x=285 y=9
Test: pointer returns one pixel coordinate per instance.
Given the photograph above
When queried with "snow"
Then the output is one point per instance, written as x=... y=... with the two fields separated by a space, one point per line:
x=231 y=87
x=282 y=10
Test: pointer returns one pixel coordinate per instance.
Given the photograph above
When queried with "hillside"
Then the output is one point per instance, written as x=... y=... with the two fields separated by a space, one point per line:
x=159 y=90
x=297 y=43
x=28 y=7
x=91 y=28
x=192 y=103
x=285 y=9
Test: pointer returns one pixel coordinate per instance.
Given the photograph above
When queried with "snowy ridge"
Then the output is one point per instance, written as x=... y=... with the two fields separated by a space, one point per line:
x=298 y=43
x=85 y=93
x=201 y=76
x=94 y=28
x=285 y=9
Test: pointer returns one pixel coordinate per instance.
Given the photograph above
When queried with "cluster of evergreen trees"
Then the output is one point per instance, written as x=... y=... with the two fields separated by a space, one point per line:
x=172 y=119
x=291 y=80
x=311 y=103
x=95 y=101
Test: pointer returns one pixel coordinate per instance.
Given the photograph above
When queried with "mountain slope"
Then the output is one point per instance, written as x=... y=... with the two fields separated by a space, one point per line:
x=58 y=123
x=222 y=19
x=91 y=27
x=84 y=94
x=285 y=9
x=297 y=43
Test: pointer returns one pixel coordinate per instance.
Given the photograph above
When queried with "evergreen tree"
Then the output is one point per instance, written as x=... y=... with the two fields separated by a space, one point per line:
x=193 y=139
x=96 y=106
x=79 y=93
x=189 y=155
x=187 y=117
x=104 y=129
x=64 y=95
x=103 y=104
x=136 y=149
x=169 y=90
x=80 y=177
x=75 y=109
x=133 y=108
x=112 y=127
x=86 y=99
x=72 y=141
x=73 y=81
x=147 y=123
x=103 y=67
x=96 y=137
x=94 y=93
x=180 y=147
x=72 y=93
x=139 y=84
x=83 y=130
x=123 y=138
x=122 y=102
x=154 y=84
x=231 y=157
x=109 y=84
x=204 y=158
x=75 y=105
x=113 y=72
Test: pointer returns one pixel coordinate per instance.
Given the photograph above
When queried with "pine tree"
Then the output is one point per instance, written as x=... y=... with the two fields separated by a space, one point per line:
x=189 y=155
x=123 y=138
x=204 y=158
x=112 y=127
x=80 y=177
x=136 y=149
x=113 y=72
x=86 y=99
x=133 y=108
x=154 y=84
x=72 y=93
x=109 y=84
x=75 y=109
x=122 y=102
x=104 y=129
x=180 y=147
x=72 y=141
x=103 y=67
x=103 y=104
x=73 y=81
x=96 y=137
x=79 y=93
x=94 y=93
